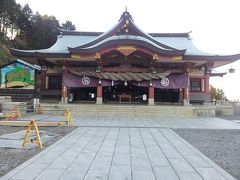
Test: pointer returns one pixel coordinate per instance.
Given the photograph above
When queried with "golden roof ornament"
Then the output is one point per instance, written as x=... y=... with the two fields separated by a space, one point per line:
x=126 y=50
x=155 y=57
x=97 y=56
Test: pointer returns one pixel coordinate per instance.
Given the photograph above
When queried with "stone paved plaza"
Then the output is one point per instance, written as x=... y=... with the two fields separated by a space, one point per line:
x=161 y=122
x=121 y=153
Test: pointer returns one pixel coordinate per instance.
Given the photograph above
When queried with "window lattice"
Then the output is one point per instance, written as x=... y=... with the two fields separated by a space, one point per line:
x=195 y=85
x=55 y=82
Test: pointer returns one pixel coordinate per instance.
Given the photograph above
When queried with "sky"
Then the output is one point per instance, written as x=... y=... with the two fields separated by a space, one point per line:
x=214 y=24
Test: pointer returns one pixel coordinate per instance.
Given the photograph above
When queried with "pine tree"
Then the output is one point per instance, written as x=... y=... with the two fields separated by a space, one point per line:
x=68 y=26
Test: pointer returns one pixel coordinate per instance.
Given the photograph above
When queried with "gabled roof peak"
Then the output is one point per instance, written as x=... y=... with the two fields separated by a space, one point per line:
x=126 y=26
x=126 y=16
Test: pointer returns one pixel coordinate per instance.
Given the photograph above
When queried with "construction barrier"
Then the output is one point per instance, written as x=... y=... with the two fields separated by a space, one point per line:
x=68 y=116
x=32 y=140
x=39 y=109
x=13 y=114
x=37 y=140
x=17 y=110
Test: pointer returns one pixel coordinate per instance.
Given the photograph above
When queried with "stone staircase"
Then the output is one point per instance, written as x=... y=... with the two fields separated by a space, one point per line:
x=121 y=110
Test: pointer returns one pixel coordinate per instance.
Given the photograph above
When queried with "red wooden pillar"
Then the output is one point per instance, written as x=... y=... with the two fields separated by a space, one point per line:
x=99 y=99
x=150 y=95
x=42 y=84
x=64 y=88
x=186 y=96
x=64 y=94
x=207 y=84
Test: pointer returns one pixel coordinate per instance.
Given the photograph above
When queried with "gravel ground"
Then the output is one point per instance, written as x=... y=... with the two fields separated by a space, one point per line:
x=10 y=129
x=11 y=158
x=222 y=146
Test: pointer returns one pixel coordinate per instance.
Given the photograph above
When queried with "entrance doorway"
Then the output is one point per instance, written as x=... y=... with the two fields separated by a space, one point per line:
x=84 y=94
x=125 y=93
x=166 y=95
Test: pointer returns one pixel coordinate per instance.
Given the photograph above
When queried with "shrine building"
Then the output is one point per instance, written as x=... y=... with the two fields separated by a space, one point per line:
x=124 y=65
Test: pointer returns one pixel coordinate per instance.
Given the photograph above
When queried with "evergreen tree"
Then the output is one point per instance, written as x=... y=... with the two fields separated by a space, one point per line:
x=68 y=26
x=24 y=20
x=44 y=31
x=22 y=29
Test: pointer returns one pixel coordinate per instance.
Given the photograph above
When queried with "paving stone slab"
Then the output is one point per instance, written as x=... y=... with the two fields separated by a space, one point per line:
x=148 y=122
x=49 y=173
x=102 y=153
x=97 y=174
x=165 y=173
x=120 y=173
x=143 y=175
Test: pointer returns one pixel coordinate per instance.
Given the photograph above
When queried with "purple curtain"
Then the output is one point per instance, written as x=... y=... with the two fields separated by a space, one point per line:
x=173 y=81
x=71 y=80
x=140 y=84
x=109 y=83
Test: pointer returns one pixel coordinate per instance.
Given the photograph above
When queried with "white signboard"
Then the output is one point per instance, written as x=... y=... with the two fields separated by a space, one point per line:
x=144 y=97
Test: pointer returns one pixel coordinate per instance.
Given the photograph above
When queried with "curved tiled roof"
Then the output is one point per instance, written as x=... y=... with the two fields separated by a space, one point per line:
x=130 y=40
x=163 y=42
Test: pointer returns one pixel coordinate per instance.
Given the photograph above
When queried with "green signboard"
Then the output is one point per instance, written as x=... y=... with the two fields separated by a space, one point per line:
x=17 y=75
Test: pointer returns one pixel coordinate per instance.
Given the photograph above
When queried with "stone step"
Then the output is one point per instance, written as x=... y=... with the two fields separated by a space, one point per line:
x=122 y=110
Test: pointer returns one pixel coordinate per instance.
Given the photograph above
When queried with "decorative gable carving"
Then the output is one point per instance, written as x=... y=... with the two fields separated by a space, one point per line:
x=126 y=50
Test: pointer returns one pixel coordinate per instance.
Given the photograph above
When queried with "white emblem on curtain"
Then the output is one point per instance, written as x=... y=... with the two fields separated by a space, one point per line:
x=86 y=80
x=165 y=81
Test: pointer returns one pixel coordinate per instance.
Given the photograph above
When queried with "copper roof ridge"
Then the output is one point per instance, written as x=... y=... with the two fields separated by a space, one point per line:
x=80 y=33
x=96 y=33
x=184 y=34
x=26 y=53
x=231 y=57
